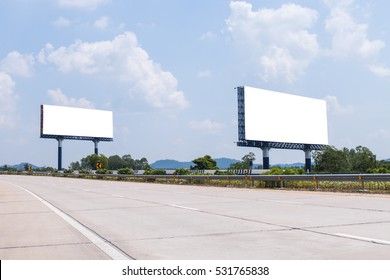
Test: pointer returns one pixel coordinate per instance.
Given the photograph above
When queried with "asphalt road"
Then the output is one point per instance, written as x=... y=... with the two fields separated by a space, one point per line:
x=62 y=218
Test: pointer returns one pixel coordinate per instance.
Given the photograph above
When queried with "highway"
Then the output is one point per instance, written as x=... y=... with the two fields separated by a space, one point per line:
x=64 y=218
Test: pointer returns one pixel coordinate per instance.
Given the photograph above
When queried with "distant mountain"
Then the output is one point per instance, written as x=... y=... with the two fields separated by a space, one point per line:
x=170 y=164
x=20 y=165
x=224 y=163
x=290 y=165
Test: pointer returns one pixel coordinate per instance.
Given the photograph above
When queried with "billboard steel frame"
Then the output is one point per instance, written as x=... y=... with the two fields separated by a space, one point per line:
x=61 y=138
x=267 y=145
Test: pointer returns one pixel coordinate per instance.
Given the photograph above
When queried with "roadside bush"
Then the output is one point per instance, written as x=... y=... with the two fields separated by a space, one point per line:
x=126 y=171
x=380 y=170
x=155 y=172
x=103 y=171
x=227 y=172
x=287 y=171
x=182 y=171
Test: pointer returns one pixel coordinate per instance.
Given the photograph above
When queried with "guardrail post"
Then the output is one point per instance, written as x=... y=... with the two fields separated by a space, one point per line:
x=361 y=179
x=316 y=181
x=281 y=182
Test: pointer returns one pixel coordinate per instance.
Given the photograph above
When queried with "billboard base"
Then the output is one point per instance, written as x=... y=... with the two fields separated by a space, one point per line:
x=96 y=141
x=266 y=157
x=266 y=147
x=60 y=139
x=307 y=160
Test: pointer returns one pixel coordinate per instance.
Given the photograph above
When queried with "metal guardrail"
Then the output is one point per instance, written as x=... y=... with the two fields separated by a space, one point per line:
x=276 y=181
x=371 y=183
x=275 y=178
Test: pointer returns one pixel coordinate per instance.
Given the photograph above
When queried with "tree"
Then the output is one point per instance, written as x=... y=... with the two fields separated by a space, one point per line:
x=332 y=160
x=140 y=164
x=205 y=163
x=361 y=159
x=246 y=163
x=75 y=165
x=26 y=166
x=128 y=161
x=238 y=165
x=116 y=162
x=249 y=159
x=90 y=161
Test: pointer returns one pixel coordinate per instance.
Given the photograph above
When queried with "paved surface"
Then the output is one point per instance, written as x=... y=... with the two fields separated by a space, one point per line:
x=152 y=221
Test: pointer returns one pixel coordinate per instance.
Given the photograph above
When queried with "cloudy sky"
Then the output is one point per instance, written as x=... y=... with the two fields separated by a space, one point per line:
x=168 y=69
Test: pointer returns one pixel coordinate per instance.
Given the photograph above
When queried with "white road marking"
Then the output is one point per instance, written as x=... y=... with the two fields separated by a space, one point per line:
x=377 y=241
x=115 y=195
x=183 y=207
x=102 y=244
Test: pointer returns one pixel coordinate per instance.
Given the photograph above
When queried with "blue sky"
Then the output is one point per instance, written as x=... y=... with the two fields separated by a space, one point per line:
x=168 y=69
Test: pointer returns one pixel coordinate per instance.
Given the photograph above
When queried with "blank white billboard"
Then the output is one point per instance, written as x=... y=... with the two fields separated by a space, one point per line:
x=280 y=117
x=75 y=122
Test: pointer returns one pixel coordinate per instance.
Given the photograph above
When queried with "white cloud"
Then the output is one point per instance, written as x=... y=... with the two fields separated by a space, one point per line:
x=62 y=22
x=350 y=39
x=101 y=23
x=8 y=100
x=58 y=98
x=124 y=60
x=207 y=36
x=380 y=71
x=82 y=4
x=207 y=125
x=279 y=62
x=336 y=108
x=204 y=74
x=259 y=33
x=18 y=64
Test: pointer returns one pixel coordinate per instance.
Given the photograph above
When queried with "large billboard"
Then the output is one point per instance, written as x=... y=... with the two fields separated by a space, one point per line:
x=271 y=116
x=76 y=123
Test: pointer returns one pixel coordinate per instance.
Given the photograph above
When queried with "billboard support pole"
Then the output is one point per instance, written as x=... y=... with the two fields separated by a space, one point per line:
x=307 y=160
x=266 y=157
x=60 y=139
x=96 y=141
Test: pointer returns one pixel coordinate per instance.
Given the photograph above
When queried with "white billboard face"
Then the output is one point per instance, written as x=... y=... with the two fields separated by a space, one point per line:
x=69 y=121
x=279 y=117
